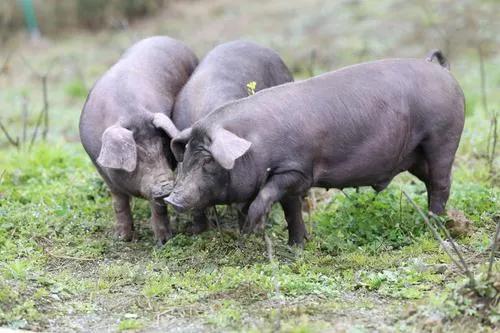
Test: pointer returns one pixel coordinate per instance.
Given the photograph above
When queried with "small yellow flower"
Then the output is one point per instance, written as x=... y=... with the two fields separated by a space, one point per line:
x=251 y=86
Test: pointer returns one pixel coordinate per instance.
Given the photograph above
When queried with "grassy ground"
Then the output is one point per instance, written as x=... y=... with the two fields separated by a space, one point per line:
x=371 y=264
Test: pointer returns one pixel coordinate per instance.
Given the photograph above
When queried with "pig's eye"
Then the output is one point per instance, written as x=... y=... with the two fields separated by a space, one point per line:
x=207 y=160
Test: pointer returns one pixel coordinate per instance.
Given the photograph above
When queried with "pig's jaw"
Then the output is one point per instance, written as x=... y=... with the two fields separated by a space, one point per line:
x=172 y=200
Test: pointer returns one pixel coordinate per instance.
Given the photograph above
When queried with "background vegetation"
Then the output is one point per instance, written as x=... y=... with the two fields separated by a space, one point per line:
x=371 y=264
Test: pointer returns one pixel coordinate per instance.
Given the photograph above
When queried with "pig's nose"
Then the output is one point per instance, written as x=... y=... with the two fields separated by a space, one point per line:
x=162 y=190
x=173 y=202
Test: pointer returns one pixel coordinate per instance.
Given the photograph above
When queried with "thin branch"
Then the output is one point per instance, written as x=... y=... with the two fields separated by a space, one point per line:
x=312 y=62
x=494 y=245
x=70 y=257
x=24 y=106
x=482 y=74
x=3 y=68
x=454 y=246
x=494 y=130
x=79 y=71
x=217 y=224
x=347 y=195
x=35 y=131
x=44 y=114
x=484 y=97
x=277 y=292
x=45 y=107
x=437 y=236
x=13 y=142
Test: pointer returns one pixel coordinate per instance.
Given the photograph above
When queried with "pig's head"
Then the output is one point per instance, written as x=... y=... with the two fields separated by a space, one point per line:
x=136 y=153
x=207 y=156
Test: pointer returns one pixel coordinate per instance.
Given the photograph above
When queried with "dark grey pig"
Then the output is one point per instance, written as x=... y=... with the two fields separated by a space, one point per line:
x=117 y=130
x=221 y=77
x=357 y=126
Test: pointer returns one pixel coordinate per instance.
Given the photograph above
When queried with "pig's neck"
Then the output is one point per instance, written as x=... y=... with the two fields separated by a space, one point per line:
x=245 y=181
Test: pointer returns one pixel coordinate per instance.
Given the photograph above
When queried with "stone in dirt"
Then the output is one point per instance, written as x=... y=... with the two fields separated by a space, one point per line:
x=458 y=224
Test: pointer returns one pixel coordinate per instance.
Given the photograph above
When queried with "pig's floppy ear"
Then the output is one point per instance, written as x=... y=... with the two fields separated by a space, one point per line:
x=164 y=123
x=118 y=150
x=178 y=144
x=227 y=147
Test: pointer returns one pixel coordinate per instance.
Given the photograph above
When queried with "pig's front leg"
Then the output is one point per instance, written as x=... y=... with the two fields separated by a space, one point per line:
x=124 y=221
x=274 y=190
x=292 y=207
x=160 y=222
x=199 y=224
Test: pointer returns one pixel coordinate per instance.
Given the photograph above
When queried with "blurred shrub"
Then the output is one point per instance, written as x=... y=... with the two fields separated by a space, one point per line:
x=92 y=13
x=76 y=89
x=55 y=16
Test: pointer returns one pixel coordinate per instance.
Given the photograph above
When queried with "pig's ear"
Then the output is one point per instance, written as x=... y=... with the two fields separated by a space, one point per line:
x=178 y=144
x=164 y=123
x=118 y=150
x=227 y=147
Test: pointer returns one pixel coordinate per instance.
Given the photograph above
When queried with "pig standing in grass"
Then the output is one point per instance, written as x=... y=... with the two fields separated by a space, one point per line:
x=357 y=126
x=222 y=77
x=117 y=127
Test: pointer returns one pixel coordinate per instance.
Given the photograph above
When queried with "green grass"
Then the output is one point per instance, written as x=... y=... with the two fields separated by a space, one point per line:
x=368 y=252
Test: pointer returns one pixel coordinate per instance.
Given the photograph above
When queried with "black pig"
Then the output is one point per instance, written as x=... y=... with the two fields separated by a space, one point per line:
x=357 y=126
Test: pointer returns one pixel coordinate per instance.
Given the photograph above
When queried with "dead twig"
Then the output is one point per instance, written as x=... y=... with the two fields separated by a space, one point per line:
x=69 y=257
x=494 y=246
x=24 y=107
x=494 y=130
x=79 y=71
x=217 y=224
x=312 y=62
x=277 y=291
x=347 y=195
x=44 y=115
x=5 y=64
x=45 y=108
x=440 y=225
x=11 y=140
x=37 y=127
x=427 y=222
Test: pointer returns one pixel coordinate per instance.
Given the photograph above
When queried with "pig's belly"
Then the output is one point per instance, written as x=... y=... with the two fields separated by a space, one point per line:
x=361 y=170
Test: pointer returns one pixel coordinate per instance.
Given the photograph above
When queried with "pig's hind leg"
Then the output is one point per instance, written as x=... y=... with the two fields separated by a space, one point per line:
x=123 y=214
x=439 y=181
x=435 y=172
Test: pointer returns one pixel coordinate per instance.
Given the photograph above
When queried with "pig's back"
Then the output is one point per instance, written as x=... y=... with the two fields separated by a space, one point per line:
x=147 y=77
x=222 y=77
x=359 y=120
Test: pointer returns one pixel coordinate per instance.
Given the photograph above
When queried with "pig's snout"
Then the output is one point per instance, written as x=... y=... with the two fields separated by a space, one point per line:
x=174 y=202
x=162 y=190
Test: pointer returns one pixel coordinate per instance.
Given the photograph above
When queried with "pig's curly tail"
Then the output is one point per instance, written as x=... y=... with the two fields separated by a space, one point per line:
x=437 y=54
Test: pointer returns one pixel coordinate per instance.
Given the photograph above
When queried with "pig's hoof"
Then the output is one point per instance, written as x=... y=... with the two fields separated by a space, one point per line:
x=124 y=235
x=163 y=239
x=296 y=243
x=196 y=229
x=247 y=229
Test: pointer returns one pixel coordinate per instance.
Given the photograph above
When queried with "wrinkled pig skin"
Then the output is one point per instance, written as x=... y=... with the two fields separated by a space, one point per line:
x=357 y=126
x=222 y=77
x=117 y=128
